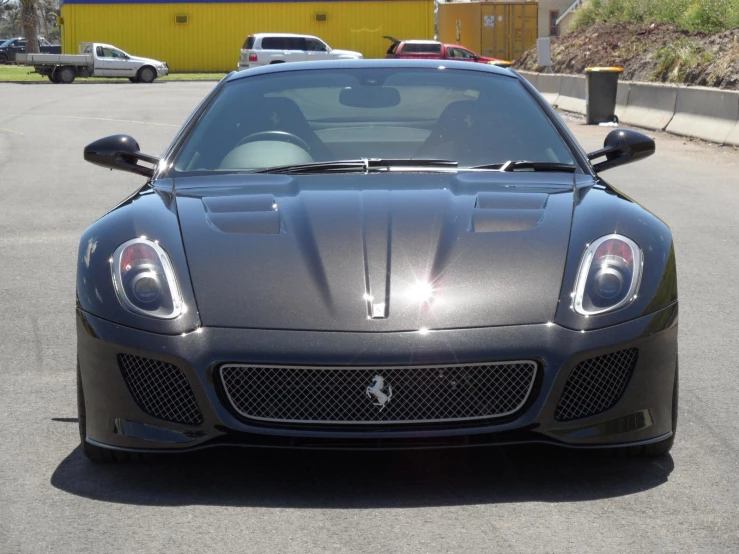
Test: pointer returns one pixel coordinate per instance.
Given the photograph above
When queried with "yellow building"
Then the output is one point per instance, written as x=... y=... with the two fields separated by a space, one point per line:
x=206 y=35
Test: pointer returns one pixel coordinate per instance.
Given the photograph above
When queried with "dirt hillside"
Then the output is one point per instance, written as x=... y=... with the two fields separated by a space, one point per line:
x=658 y=52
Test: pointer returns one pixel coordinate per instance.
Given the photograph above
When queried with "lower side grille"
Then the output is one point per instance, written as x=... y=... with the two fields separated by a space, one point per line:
x=596 y=384
x=160 y=389
x=358 y=395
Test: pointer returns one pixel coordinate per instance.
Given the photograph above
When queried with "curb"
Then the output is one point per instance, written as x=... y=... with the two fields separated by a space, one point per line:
x=699 y=112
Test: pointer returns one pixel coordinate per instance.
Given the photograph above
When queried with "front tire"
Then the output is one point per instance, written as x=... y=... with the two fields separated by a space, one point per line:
x=93 y=452
x=147 y=74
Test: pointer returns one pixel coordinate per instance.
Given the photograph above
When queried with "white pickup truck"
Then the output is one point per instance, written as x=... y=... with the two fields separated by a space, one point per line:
x=95 y=60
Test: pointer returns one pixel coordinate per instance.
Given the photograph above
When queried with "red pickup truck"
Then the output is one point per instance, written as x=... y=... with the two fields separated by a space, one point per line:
x=433 y=50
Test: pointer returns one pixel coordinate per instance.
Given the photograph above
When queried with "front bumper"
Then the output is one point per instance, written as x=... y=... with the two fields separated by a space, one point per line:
x=163 y=71
x=642 y=415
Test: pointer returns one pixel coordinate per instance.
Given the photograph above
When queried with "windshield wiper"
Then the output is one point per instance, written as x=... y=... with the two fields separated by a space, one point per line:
x=523 y=165
x=363 y=165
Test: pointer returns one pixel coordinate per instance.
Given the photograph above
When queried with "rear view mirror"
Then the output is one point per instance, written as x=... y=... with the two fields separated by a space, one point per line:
x=119 y=152
x=369 y=97
x=622 y=147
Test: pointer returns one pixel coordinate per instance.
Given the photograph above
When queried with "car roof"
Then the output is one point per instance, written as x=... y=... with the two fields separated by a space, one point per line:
x=416 y=41
x=370 y=63
x=278 y=35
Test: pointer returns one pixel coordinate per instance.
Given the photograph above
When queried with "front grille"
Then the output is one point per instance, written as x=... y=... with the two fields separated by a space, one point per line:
x=596 y=384
x=160 y=389
x=358 y=395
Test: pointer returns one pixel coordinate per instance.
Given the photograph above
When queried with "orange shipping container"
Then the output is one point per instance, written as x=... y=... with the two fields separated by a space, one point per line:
x=495 y=29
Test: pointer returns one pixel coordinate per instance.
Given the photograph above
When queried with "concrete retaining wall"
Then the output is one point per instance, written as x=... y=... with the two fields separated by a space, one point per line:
x=572 y=94
x=733 y=138
x=705 y=113
x=700 y=112
x=622 y=98
x=650 y=106
x=548 y=86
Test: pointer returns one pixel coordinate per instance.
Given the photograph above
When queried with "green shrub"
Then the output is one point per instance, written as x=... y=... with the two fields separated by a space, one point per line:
x=691 y=15
x=675 y=61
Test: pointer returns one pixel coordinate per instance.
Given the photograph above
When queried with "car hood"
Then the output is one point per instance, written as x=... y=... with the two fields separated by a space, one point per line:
x=376 y=252
x=338 y=52
x=146 y=60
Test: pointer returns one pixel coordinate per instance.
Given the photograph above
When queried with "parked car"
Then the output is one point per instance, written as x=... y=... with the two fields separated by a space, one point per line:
x=375 y=254
x=11 y=47
x=268 y=48
x=434 y=50
x=96 y=60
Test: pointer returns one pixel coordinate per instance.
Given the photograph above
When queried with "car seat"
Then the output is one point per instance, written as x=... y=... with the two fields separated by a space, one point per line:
x=283 y=114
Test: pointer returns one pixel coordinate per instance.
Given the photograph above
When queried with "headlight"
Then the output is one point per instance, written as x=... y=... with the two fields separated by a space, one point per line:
x=145 y=281
x=609 y=275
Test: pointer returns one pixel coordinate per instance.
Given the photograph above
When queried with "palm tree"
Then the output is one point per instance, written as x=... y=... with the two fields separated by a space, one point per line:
x=29 y=21
x=10 y=17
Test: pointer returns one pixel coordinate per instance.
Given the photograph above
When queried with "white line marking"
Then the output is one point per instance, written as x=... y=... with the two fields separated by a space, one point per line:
x=90 y=118
x=11 y=131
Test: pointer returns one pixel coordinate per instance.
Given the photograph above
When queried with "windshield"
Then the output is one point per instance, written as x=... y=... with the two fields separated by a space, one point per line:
x=6 y=43
x=300 y=117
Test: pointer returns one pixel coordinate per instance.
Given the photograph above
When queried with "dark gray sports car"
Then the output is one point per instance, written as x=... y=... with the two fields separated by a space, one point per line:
x=375 y=254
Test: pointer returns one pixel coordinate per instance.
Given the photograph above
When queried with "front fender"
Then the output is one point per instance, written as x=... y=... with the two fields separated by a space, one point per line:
x=601 y=210
x=150 y=212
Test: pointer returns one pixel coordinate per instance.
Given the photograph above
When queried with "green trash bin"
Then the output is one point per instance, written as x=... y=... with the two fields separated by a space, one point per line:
x=601 y=85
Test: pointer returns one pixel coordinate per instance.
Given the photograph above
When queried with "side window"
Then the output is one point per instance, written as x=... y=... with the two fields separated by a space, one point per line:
x=108 y=53
x=313 y=45
x=461 y=53
x=99 y=52
x=296 y=43
x=88 y=49
x=273 y=43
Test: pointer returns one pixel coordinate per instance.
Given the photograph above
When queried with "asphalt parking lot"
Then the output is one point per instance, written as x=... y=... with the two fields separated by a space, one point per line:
x=504 y=500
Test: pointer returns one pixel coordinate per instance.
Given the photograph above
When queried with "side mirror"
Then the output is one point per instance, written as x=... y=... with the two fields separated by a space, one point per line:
x=120 y=152
x=622 y=147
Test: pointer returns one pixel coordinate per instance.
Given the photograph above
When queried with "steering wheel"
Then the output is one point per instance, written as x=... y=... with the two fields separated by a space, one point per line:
x=281 y=136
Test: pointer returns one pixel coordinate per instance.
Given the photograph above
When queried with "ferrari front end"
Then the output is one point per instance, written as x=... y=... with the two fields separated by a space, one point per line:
x=282 y=281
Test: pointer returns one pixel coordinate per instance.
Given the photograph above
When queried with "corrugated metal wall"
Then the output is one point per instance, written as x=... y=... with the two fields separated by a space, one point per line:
x=496 y=29
x=214 y=33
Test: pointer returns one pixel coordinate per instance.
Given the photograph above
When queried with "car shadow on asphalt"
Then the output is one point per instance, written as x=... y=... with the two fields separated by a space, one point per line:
x=355 y=480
